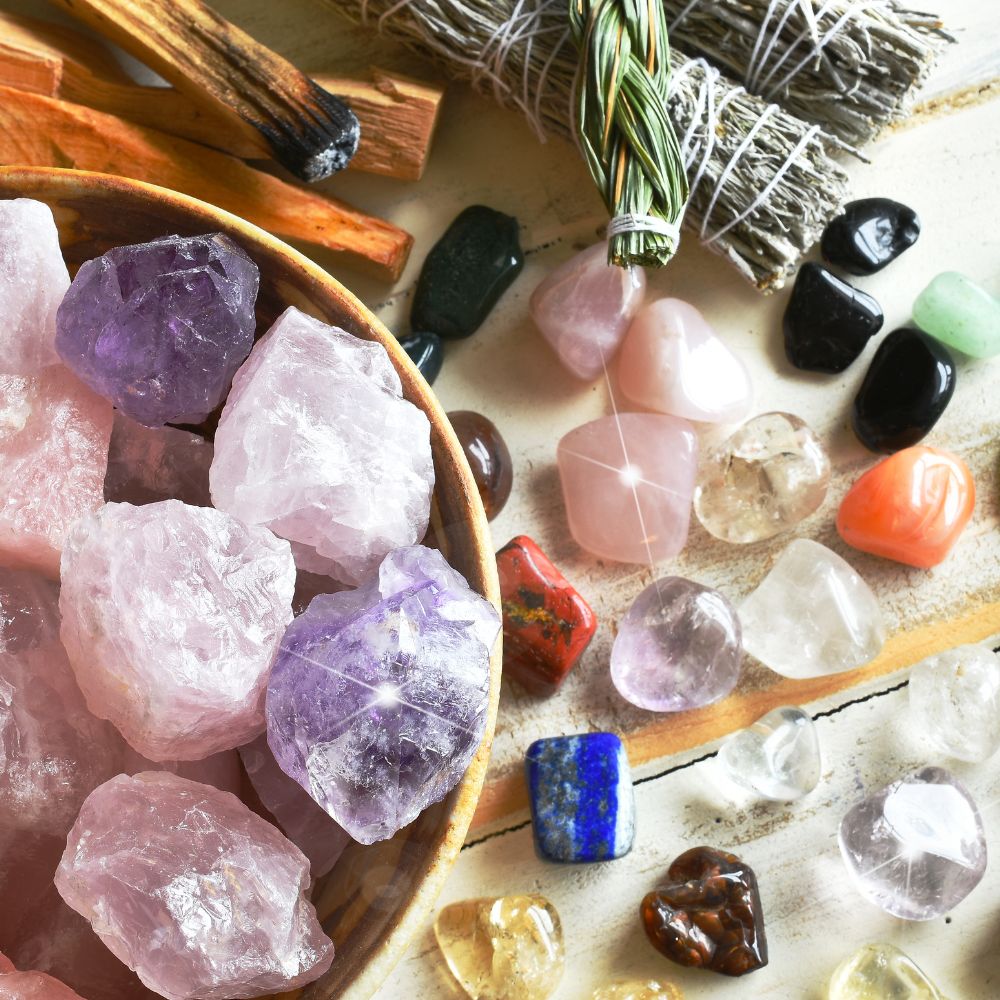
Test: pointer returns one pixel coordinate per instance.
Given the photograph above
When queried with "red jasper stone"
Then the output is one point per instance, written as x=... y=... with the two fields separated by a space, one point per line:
x=546 y=624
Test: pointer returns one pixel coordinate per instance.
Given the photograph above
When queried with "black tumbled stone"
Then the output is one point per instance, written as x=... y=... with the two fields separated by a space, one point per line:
x=465 y=273
x=869 y=234
x=426 y=351
x=827 y=321
x=910 y=382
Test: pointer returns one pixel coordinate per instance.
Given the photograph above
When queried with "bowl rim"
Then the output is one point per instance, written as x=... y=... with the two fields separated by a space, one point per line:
x=59 y=183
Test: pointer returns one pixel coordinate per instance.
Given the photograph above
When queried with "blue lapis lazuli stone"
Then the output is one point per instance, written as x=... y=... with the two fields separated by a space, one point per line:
x=582 y=802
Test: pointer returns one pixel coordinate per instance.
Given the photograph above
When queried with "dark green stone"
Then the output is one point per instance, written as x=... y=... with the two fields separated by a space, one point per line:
x=466 y=272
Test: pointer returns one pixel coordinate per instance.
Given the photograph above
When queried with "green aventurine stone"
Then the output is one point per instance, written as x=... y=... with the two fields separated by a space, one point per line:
x=465 y=273
x=960 y=314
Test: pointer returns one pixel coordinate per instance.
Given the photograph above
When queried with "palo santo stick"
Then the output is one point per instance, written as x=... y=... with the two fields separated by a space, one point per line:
x=222 y=69
x=44 y=132
x=397 y=114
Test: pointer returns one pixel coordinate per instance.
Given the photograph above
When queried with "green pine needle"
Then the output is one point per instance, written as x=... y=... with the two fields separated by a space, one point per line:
x=627 y=137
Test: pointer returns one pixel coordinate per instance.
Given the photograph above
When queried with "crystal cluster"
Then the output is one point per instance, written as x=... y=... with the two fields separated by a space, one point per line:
x=223 y=894
x=171 y=615
x=160 y=328
x=880 y=972
x=378 y=696
x=317 y=443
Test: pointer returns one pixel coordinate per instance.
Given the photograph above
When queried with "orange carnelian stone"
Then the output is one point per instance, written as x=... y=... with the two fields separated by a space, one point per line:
x=911 y=507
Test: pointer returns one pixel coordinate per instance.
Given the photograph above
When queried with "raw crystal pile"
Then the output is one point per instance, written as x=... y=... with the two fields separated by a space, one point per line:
x=222 y=893
x=917 y=847
x=171 y=615
x=33 y=280
x=317 y=443
x=378 y=696
x=147 y=464
x=305 y=824
x=160 y=328
x=54 y=435
x=880 y=972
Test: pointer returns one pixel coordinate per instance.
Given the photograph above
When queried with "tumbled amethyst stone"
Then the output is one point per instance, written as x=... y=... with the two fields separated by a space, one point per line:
x=379 y=696
x=160 y=328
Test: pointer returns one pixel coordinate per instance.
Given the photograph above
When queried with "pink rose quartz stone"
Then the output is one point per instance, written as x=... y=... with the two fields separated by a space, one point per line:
x=222 y=893
x=34 y=986
x=317 y=443
x=148 y=464
x=33 y=281
x=584 y=308
x=627 y=483
x=54 y=435
x=171 y=615
x=674 y=362
x=6 y=965
x=306 y=824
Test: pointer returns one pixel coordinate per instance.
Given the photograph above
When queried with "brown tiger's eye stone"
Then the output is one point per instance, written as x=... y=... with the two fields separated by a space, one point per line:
x=487 y=454
x=708 y=914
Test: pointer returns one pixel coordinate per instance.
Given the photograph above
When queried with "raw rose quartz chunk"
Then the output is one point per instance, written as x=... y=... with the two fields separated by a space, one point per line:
x=53 y=751
x=317 y=443
x=148 y=464
x=54 y=435
x=171 y=615
x=222 y=893
x=33 y=281
x=305 y=824
x=33 y=986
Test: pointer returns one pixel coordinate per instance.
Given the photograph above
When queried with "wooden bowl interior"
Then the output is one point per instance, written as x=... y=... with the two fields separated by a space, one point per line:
x=377 y=896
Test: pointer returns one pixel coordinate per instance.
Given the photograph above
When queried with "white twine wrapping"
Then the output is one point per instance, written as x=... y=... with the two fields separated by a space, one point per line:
x=630 y=222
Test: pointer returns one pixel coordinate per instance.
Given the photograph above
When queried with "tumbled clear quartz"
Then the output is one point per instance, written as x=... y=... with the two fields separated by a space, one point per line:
x=221 y=892
x=638 y=989
x=170 y=616
x=777 y=757
x=917 y=847
x=880 y=972
x=54 y=435
x=317 y=443
x=955 y=702
x=378 y=696
x=33 y=281
x=762 y=480
x=812 y=615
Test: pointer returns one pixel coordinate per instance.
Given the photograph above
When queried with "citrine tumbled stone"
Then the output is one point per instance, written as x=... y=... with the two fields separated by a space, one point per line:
x=488 y=457
x=911 y=507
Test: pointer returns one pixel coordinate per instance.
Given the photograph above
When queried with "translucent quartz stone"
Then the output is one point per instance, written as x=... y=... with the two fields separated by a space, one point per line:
x=764 y=479
x=674 y=362
x=638 y=989
x=911 y=507
x=777 y=757
x=33 y=281
x=961 y=314
x=222 y=893
x=54 y=435
x=812 y=615
x=880 y=972
x=148 y=464
x=584 y=308
x=509 y=948
x=317 y=443
x=678 y=647
x=627 y=482
x=917 y=847
x=33 y=986
x=6 y=965
x=185 y=684
x=955 y=702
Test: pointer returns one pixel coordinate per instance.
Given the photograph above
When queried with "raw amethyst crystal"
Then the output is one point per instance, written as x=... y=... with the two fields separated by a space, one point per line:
x=378 y=696
x=160 y=328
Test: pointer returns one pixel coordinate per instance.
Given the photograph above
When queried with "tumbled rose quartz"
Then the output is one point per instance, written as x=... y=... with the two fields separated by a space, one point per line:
x=317 y=443
x=33 y=281
x=54 y=435
x=674 y=362
x=301 y=819
x=584 y=307
x=147 y=464
x=6 y=965
x=378 y=697
x=160 y=328
x=627 y=482
x=221 y=892
x=32 y=986
x=170 y=616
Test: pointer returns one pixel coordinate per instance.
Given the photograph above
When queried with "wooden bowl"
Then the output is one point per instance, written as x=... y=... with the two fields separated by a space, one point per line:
x=377 y=896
